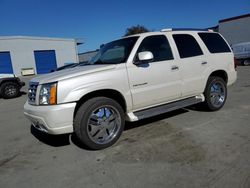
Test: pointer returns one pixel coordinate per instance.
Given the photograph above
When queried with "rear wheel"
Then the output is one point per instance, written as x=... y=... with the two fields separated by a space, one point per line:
x=9 y=90
x=215 y=93
x=246 y=62
x=99 y=123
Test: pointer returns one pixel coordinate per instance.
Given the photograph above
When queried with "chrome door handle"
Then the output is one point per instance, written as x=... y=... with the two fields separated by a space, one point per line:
x=174 y=67
x=204 y=63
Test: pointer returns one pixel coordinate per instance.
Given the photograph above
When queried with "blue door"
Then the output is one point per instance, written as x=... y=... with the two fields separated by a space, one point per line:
x=5 y=63
x=45 y=61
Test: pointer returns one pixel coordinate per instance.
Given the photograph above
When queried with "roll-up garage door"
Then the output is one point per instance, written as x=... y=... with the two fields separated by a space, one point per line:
x=5 y=63
x=45 y=61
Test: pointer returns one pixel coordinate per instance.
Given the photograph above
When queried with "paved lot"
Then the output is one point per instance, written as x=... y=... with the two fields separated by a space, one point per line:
x=185 y=148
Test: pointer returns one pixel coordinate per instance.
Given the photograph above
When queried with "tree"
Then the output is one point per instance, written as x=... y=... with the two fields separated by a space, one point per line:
x=135 y=30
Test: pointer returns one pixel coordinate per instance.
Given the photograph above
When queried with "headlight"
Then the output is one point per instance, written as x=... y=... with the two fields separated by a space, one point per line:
x=47 y=94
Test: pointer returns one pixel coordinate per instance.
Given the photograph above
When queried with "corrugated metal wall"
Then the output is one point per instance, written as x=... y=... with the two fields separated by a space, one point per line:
x=236 y=31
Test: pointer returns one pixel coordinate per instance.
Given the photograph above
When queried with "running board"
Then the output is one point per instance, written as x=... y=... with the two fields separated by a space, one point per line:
x=142 y=114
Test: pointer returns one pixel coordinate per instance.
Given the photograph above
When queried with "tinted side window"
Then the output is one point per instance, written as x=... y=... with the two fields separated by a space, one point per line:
x=187 y=45
x=214 y=42
x=158 y=45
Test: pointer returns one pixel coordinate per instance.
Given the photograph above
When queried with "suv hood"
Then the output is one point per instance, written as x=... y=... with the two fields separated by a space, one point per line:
x=71 y=72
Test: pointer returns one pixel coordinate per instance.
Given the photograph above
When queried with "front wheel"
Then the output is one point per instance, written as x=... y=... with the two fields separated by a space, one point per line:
x=215 y=93
x=9 y=90
x=99 y=123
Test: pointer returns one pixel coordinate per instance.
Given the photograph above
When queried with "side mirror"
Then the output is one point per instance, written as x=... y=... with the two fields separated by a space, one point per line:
x=144 y=57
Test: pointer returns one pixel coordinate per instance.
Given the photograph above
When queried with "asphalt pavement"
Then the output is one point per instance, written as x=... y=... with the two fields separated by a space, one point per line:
x=186 y=148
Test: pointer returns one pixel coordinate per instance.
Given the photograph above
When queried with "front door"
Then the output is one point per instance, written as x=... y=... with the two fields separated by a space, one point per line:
x=155 y=82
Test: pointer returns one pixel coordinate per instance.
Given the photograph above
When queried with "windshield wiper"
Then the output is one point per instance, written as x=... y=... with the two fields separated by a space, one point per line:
x=84 y=64
x=98 y=62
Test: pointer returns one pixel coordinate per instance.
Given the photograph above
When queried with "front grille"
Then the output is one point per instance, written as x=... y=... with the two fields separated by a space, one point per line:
x=32 y=92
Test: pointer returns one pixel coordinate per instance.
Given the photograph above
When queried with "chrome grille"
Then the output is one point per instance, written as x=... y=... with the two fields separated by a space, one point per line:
x=32 y=92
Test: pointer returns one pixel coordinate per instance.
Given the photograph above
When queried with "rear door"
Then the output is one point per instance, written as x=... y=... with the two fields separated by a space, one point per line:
x=155 y=82
x=193 y=64
x=221 y=56
x=45 y=61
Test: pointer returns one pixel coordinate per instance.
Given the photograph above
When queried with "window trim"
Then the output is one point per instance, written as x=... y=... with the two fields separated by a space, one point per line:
x=171 y=49
x=209 y=50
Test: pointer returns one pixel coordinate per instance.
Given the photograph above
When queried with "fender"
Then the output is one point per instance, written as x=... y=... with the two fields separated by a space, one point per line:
x=14 y=79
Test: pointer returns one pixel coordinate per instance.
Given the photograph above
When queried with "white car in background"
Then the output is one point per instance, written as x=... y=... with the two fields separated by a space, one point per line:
x=10 y=86
x=242 y=52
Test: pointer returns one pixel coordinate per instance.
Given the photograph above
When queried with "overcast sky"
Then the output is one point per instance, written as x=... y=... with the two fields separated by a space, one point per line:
x=98 y=22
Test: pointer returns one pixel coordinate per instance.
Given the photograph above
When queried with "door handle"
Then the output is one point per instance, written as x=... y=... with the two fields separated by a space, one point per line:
x=204 y=63
x=174 y=67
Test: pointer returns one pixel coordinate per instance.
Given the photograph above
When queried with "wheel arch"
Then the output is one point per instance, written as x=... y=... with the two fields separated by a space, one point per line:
x=3 y=80
x=109 y=93
x=220 y=73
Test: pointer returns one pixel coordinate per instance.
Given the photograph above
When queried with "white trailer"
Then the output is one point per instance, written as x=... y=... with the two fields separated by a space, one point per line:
x=242 y=52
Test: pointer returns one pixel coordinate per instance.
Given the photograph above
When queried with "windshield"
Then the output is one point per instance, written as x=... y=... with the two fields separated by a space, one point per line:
x=114 y=52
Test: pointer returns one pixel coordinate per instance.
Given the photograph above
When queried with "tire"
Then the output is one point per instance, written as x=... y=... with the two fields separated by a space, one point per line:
x=99 y=123
x=215 y=93
x=246 y=62
x=9 y=90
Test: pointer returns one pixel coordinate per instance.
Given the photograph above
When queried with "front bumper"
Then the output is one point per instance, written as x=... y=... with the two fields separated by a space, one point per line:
x=54 y=119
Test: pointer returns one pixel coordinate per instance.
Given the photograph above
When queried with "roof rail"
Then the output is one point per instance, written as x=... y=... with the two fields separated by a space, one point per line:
x=167 y=29
x=183 y=29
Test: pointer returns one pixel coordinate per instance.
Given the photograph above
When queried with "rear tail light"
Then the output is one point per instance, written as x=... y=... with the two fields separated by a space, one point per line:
x=235 y=63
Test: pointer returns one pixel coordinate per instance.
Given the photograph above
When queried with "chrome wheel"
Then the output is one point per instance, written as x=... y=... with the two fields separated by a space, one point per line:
x=99 y=122
x=10 y=90
x=217 y=94
x=104 y=124
x=246 y=62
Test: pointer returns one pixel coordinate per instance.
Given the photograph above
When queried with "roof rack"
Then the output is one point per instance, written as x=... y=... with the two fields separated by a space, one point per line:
x=184 y=29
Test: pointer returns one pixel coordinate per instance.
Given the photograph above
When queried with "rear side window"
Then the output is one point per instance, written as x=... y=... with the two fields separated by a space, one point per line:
x=214 y=42
x=158 y=45
x=187 y=45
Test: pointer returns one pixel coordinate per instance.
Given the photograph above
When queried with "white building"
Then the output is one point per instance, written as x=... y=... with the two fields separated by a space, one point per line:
x=21 y=55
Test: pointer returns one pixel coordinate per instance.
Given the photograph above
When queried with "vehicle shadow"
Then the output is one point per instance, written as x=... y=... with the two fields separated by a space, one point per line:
x=51 y=140
x=198 y=107
x=143 y=122
x=63 y=140
x=22 y=93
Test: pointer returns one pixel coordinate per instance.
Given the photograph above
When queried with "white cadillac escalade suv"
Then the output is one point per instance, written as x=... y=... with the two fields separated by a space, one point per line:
x=130 y=79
